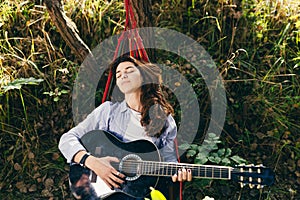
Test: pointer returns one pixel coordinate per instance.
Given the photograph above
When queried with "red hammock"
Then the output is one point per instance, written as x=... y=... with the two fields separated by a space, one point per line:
x=131 y=40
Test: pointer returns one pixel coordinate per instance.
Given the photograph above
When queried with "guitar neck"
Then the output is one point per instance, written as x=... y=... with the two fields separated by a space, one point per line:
x=151 y=168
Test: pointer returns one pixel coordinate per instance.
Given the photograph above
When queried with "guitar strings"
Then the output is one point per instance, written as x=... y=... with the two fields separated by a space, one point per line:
x=172 y=165
x=160 y=168
x=154 y=168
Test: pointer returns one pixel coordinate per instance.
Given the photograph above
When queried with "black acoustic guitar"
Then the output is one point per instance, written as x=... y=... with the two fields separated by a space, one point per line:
x=140 y=161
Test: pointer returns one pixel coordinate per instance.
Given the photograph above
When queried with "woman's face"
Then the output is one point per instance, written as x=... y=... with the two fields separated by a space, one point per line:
x=128 y=76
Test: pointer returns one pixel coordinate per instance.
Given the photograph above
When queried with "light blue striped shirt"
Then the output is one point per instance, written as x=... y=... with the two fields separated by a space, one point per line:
x=114 y=117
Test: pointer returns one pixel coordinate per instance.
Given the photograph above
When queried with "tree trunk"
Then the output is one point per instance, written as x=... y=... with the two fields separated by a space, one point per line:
x=143 y=16
x=68 y=30
x=142 y=12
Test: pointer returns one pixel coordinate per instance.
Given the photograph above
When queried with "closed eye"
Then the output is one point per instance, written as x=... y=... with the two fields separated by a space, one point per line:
x=118 y=75
x=129 y=69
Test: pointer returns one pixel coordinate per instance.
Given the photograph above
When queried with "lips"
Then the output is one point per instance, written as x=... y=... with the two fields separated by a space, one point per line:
x=124 y=82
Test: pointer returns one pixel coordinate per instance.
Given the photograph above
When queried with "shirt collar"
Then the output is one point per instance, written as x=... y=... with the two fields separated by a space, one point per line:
x=124 y=106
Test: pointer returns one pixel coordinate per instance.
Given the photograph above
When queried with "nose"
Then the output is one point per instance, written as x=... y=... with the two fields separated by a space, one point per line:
x=124 y=76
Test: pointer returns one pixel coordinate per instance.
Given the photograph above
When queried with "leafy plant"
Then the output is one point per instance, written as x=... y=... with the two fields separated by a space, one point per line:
x=56 y=94
x=262 y=86
x=210 y=152
x=18 y=83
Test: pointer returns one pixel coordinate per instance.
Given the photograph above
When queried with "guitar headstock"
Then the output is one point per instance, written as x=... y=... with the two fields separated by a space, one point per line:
x=251 y=175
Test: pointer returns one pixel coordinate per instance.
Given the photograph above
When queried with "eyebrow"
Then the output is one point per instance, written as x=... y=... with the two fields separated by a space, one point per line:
x=130 y=66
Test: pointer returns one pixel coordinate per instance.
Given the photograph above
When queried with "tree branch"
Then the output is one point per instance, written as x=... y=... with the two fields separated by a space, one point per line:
x=67 y=29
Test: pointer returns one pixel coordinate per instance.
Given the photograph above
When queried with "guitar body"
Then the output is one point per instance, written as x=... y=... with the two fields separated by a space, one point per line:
x=140 y=162
x=102 y=143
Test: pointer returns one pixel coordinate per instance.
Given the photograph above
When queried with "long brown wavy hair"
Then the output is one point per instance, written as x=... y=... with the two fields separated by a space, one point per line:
x=155 y=107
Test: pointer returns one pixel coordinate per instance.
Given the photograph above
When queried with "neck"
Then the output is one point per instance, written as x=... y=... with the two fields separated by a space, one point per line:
x=133 y=101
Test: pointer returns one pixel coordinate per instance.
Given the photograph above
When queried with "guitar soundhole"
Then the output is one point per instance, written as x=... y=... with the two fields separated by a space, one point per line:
x=130 y=165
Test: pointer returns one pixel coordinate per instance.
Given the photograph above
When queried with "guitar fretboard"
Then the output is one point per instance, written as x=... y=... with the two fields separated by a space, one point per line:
x=150 y=168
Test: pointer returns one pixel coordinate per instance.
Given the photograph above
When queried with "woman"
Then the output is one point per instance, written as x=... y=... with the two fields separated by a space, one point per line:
x=143 y=114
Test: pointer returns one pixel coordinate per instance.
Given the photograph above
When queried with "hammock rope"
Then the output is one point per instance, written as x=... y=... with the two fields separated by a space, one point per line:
x=132 y=41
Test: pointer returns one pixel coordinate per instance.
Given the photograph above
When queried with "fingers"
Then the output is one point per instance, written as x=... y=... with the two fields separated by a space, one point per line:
x=182 y=175
x=117 y=179
x=189 y=175
x=118 y=175
x=179 y=177
x=109 y=174
x=174 y=178
x=111 y=183
x=114 y=179
x=112 y=159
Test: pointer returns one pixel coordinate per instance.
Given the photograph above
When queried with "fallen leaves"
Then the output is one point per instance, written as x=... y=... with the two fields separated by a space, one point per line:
x=21 y=186
x=17 y=167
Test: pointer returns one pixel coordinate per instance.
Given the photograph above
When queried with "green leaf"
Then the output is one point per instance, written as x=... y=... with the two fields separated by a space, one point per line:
x=226 y=161
x=228 y=152
x=238 y=159
x=211 y=141
x=18 y=83
x=221 y=152
x=200 y=159
x=211 y=135
x=194 y=147
x=214 y=155
x=191 y=153
x=213 y=159
x=11 y=87
x=224 y=152
x=212 y=147
x=51 y=93
x=259 y=35
x=64 y=91
x=185 y=146
x=203 y=151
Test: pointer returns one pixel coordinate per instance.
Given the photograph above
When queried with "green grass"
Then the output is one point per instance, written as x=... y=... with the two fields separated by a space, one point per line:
x=255 y=44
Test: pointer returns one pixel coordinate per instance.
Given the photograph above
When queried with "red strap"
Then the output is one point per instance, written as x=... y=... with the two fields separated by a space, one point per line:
x=130 y=22
x=109 y=78
x=136 y=49
x=178 y=158
x=135 y=44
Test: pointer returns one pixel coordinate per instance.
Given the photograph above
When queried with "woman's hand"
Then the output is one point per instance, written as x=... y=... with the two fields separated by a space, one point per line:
x=103 y=168
x=182 y=175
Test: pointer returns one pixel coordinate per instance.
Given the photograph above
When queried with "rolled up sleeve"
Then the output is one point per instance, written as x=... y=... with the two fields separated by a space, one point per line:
x=69 y=143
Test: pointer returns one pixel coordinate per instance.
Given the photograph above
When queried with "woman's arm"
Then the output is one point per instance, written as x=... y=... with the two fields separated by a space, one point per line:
x=69 y=143
x=73 y=151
